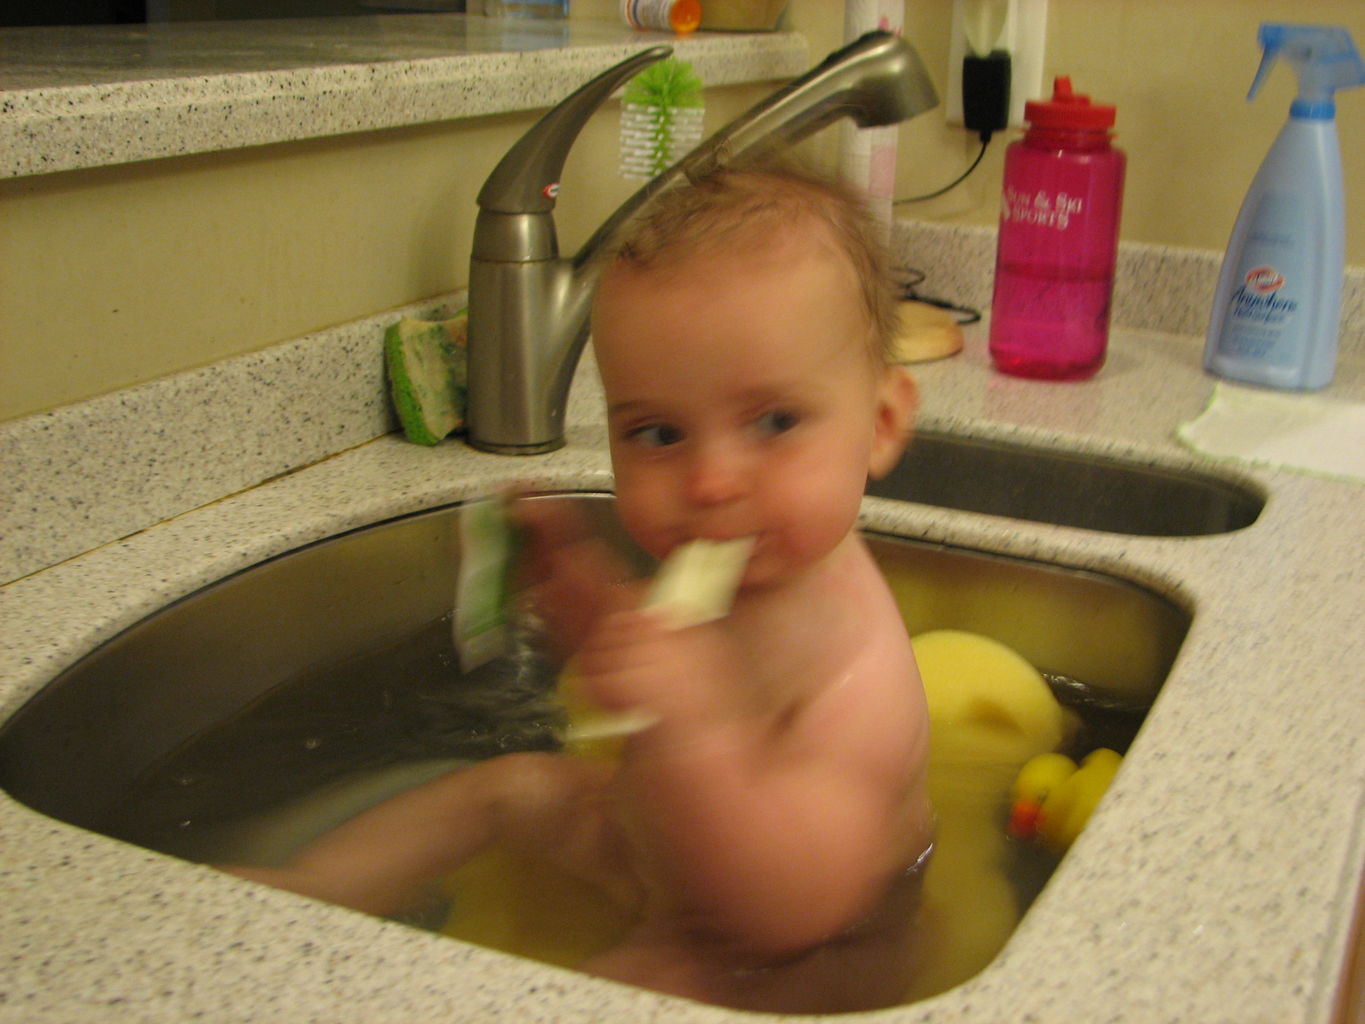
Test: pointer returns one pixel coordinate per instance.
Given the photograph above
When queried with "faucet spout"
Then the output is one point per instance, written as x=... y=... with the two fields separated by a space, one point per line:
x=526 y=179
x=528 y=308
x=526 y=329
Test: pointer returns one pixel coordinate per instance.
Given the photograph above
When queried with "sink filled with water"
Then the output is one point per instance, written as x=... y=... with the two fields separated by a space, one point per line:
x=1066 y=488
x=247 y=718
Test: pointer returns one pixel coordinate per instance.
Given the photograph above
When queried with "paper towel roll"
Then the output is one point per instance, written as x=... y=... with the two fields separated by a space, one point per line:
x=868 y=155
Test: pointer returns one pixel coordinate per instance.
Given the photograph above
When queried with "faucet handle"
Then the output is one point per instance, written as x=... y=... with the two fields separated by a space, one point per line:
x=526 y=180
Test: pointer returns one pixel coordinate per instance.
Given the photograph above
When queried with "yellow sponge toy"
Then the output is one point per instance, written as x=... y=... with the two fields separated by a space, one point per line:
x=989 y=712
x=988 y=698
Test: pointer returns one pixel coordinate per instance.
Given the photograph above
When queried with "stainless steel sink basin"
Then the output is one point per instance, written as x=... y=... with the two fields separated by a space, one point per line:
x=342 y=651
x=334 y=663
x=1066 y=488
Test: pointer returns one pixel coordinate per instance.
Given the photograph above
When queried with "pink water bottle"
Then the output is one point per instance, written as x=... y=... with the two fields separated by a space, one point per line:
x=1059 y=233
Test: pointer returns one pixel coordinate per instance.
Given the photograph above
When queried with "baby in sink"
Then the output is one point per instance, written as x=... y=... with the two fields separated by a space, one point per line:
x=766 y=829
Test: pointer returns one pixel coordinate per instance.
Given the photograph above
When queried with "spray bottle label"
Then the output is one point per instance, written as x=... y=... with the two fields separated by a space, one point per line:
x=1263 y=306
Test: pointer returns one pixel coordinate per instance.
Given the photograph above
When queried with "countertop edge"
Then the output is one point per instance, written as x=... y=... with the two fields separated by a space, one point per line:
x=69 y=127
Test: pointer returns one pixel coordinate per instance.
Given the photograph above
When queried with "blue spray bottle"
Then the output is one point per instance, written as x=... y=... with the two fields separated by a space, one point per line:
x=1277 y=308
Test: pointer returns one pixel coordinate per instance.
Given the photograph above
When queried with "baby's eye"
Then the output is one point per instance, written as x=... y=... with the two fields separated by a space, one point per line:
x=776 y=421
x=655 y=435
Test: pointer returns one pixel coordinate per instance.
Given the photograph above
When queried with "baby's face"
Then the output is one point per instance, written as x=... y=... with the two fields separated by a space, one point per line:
x=743 y=401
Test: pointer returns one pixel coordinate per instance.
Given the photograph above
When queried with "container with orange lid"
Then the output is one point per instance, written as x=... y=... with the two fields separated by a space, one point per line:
x=680 y=16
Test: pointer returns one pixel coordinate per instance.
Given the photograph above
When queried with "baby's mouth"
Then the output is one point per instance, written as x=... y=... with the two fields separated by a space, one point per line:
x=698 y=580
x=751 y=540
x=716 y=533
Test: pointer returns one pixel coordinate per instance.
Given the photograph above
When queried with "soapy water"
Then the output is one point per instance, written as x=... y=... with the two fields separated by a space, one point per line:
x=319 y=749
x=340 y=737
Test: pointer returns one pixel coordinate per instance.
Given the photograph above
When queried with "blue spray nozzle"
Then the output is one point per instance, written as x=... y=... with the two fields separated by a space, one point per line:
x=1324 y=57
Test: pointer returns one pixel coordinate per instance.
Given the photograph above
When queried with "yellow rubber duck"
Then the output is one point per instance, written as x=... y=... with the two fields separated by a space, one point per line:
x=1052 y=798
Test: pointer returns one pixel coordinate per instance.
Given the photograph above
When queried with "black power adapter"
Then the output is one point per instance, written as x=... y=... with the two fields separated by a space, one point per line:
x=985 y=108
x=986 y=93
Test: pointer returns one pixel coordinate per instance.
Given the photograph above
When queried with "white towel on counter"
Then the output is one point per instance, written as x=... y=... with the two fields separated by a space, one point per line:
x=1281 y=428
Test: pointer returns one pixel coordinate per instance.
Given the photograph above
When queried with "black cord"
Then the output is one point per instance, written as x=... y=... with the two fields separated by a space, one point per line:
x=985 y=141
x=908 y=279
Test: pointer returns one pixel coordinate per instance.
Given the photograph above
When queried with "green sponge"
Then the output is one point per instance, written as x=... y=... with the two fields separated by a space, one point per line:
x=427 y=375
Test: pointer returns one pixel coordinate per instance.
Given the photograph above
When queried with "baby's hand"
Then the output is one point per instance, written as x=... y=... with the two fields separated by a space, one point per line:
x=634 y=662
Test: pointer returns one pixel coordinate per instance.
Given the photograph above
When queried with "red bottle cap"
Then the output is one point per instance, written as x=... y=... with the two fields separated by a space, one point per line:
x=1068 y=111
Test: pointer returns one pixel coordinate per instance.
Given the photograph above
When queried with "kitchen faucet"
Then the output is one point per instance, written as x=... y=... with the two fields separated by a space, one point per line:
x=528 y=307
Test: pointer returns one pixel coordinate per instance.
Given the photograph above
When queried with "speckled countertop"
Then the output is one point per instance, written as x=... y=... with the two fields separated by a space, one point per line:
x=1215 y=884
x=92 y=96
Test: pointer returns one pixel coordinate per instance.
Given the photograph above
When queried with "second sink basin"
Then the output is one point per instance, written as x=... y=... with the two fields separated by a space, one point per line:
x=1066 y=488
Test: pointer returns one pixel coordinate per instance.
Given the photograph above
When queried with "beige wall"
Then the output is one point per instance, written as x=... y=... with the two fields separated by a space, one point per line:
x=114 y=276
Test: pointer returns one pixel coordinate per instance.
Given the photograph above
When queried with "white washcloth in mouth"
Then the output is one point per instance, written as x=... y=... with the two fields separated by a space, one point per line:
x=698 y=581
x=1288 y=429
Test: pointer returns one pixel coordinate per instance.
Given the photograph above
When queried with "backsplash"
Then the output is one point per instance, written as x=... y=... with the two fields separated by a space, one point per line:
x=89 y=473
x=1156 y=287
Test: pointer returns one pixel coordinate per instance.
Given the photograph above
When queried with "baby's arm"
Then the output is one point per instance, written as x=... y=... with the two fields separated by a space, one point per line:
x=383 y=860
x=777 y=834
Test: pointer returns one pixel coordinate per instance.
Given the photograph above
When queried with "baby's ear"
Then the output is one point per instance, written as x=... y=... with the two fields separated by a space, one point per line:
x=897 y=403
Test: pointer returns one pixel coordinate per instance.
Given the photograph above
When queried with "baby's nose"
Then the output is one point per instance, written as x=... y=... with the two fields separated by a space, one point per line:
x=718 y=473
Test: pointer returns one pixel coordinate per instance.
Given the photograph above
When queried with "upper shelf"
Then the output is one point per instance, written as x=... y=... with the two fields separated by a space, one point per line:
x=95 y=96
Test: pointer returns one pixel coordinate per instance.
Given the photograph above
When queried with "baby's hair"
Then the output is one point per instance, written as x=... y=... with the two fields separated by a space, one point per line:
x=747 y=206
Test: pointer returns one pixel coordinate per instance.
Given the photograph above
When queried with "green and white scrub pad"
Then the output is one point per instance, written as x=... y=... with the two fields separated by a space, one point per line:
x=427 y=372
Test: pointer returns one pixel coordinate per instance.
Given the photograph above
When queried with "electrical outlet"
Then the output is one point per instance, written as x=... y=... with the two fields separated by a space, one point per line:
x=1023 y=36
